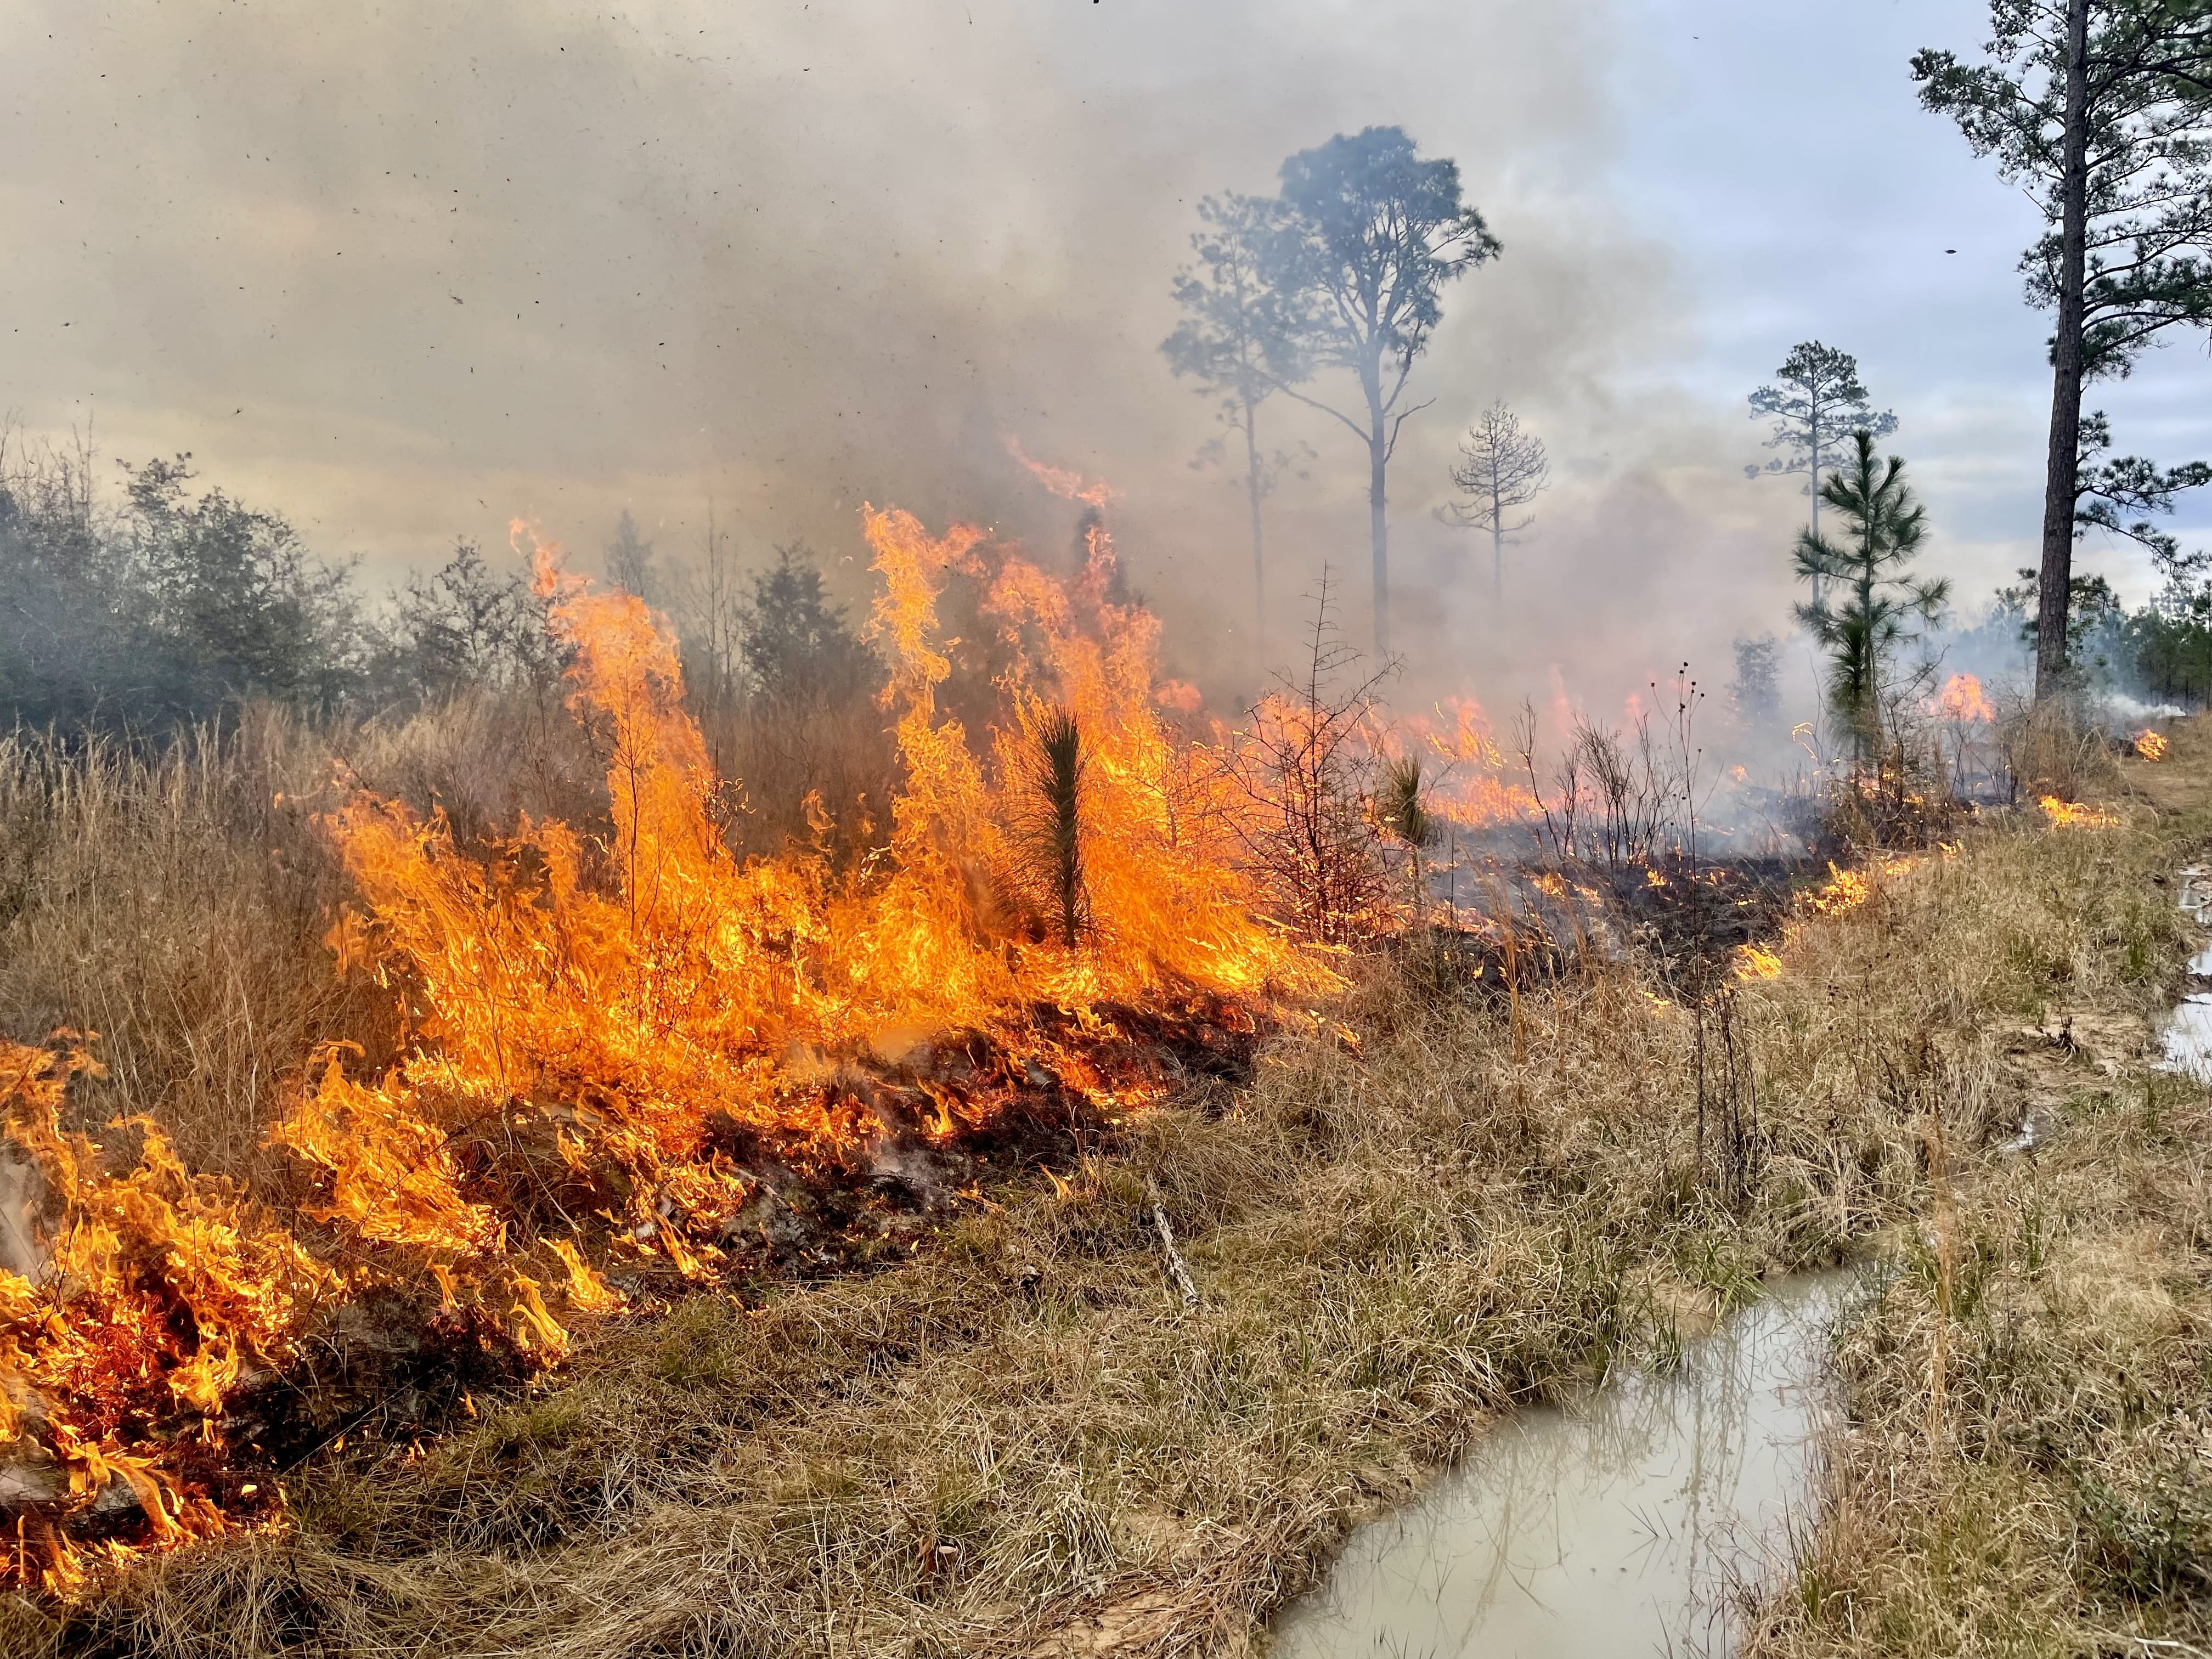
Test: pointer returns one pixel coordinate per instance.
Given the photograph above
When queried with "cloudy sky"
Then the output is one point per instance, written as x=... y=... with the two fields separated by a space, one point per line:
x=403 y=271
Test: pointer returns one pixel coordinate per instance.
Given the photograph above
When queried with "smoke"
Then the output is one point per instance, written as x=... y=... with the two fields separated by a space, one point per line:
x=405 y=273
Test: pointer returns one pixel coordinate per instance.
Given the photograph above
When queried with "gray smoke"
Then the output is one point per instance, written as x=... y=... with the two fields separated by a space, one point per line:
x=405 y=273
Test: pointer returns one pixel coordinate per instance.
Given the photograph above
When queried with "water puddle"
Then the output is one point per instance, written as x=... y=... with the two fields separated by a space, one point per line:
x=2186 y=1041
x=1621 y=1528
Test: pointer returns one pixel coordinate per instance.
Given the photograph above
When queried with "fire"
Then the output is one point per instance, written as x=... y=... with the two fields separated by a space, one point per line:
x=599 y=1027
x=2151 y=744
x=2073 y=815
x=159 y=1289
x=1752 y=962
x=1064 y=481
x=630 y=1014
x=1472 y=790
x=1961 y=700
x=1846 y=890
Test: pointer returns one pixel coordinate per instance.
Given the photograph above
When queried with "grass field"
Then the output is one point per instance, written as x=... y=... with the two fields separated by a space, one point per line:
x=1426 y=1209
x=2027 y=1465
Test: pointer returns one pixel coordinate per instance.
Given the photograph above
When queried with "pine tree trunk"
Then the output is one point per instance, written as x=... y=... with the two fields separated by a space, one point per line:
x=1813 y=431
x=2054 y=584
x=1497 y=539
x=1379 y=537
x=1259 y=569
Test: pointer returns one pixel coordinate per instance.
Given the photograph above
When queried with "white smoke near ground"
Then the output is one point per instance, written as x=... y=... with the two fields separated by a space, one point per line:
x=2119 y=709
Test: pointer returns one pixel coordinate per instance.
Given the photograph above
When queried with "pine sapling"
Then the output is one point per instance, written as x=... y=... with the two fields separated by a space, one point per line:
x=1059 y=783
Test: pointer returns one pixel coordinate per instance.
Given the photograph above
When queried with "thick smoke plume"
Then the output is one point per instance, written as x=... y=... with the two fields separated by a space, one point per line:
x=402 y=273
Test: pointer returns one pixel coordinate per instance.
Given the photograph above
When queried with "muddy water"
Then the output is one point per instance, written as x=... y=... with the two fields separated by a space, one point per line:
x=1620 y=1528
x=2186 y=1039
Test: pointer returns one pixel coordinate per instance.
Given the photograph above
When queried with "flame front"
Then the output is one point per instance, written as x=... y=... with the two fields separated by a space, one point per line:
x=1961 y=701
x=2073 y=815
x=593 y=1023
x=685 y=984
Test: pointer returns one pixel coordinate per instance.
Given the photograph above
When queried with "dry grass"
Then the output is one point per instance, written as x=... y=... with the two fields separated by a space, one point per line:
x=174 y=898
x=985 y=1450
x=1022 y=1444
x=171 y=901
x=2028 y=1470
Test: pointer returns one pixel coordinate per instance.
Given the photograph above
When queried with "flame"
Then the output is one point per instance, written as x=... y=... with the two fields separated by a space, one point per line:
x=2073 y=815
x=592 y=1020
x=159 y=1289
x=1472 y=790
x=1753 y=962
x=1062 y=481
x=2151 y=744
x=1179 y=695
x=1961 y=701
x=626 y=994
x=1846 y=890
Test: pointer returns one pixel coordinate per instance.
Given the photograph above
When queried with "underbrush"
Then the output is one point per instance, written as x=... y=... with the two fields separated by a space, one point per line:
x=1432 y=1203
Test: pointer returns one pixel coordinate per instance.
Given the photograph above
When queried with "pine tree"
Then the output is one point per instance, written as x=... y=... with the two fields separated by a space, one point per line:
x=2102 y=110
x=1502 y=468
x=1883 y=528
x=1378 y=233
x=1237 y=340
x=1817 y=401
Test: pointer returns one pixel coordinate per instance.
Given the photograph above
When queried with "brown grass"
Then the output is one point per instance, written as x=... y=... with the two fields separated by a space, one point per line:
x=1022 y=1444
x=2029 y=1470
x=172 y=903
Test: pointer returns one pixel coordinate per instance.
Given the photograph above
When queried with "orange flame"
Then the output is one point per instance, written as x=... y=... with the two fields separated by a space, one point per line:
x=625 y=994
x=2073 y=815
x=1473 y=790
x=1755 y=961
x=2151 y=744
x=1961 y=701
x=591 y=1018
x=157 y=1290
x=1064 y=481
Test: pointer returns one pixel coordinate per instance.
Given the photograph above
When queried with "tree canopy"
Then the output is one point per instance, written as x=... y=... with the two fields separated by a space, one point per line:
x=1374 y=234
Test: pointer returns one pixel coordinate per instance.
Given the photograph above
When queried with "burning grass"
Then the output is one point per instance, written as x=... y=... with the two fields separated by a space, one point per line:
x=1019 y=1441
x=348 y=1289
x=610 y=1051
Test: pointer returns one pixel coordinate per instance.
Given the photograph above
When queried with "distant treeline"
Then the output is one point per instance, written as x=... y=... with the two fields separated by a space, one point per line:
x=2162 y=651
x=166 y=604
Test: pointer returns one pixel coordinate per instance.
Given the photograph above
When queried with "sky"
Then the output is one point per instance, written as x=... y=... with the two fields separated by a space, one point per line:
x=403 y=273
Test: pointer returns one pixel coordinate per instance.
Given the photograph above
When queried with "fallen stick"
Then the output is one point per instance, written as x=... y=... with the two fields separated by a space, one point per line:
x=1176 y=1270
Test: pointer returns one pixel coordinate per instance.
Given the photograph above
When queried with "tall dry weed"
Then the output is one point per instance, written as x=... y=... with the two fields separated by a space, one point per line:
x=172 y=898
